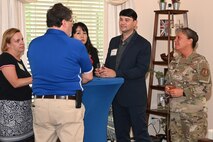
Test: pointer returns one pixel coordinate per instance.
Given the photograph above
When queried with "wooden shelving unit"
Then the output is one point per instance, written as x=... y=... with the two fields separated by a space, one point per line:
x=170 y=14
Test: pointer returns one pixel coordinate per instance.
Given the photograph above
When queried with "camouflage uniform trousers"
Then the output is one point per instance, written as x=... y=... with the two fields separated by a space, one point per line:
x=188 y=127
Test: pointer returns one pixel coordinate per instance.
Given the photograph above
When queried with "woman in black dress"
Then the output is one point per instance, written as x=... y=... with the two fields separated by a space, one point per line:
x=15 y=92
x=80 y=31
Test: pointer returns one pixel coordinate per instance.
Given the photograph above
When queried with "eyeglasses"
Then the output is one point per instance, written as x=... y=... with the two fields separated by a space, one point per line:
x=71 y=20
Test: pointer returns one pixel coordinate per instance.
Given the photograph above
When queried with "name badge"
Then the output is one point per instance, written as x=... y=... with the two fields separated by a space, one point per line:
x=21 y=66
x=113 y=52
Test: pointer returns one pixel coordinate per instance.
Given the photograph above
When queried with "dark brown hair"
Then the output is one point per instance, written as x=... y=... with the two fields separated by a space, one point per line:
x=191 y=34
x=56 y=14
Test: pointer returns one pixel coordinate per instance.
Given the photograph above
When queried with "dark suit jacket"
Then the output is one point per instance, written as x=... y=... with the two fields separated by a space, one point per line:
x=133 y=67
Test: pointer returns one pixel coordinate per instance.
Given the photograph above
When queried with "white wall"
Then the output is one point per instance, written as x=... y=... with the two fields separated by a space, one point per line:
x=199 y=19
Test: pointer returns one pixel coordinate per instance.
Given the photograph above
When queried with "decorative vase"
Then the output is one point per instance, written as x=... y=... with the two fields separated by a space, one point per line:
x=161 y=81
x=161 y=100
x=176 y=5
x=162 y=5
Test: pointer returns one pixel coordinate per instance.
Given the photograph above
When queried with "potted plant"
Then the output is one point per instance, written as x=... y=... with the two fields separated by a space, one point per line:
x=159 y=74
x=160 y=77
x=176 y=4
x=162 y=4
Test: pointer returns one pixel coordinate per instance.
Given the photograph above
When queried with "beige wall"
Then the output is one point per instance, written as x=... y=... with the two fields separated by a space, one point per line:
x=200 y=19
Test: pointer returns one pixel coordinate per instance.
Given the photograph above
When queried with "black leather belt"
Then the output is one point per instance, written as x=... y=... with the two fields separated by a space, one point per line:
x=56 y=97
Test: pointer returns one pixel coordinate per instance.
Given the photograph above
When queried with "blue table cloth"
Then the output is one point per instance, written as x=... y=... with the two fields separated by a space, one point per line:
x=97 y=98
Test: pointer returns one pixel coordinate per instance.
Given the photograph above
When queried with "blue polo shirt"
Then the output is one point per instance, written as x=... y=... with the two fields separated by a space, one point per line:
x=56 y=63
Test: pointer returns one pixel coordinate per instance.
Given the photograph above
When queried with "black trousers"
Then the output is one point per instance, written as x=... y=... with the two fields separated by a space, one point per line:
x=126 y=117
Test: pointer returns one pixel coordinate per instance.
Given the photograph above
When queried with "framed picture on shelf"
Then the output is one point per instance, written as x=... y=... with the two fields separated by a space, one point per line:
x=164 y=27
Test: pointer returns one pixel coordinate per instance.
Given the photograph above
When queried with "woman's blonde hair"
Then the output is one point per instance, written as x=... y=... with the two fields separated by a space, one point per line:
x=6 y=38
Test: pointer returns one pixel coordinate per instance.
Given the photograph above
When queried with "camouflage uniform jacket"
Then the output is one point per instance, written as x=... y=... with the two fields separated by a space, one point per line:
x=193 y=75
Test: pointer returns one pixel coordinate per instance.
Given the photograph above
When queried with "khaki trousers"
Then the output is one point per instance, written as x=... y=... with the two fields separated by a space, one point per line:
x=57 y=118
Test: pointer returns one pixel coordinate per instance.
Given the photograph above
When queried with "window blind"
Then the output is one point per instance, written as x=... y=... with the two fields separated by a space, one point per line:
x=90 y=12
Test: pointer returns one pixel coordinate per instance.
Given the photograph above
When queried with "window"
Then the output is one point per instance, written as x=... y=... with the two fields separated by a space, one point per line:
x=91 y=12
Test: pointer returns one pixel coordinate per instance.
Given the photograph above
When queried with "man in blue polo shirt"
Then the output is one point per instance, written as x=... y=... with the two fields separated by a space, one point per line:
x=59 y=66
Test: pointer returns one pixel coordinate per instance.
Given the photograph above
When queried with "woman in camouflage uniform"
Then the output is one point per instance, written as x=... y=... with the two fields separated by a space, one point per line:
x=188 y=84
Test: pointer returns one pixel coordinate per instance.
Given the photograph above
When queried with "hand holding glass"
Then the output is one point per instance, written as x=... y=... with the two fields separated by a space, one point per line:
x=168 y=88
x=100 y=65
x=99 y=69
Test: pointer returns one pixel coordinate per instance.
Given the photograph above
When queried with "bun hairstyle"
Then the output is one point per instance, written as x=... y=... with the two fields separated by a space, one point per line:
x=191 y=34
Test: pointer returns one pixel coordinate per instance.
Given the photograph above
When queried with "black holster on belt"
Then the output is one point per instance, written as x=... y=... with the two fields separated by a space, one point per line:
x=78 y=99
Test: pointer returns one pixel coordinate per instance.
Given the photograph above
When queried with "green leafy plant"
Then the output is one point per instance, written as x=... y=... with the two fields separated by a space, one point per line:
x=159 y=74
x=162 y=1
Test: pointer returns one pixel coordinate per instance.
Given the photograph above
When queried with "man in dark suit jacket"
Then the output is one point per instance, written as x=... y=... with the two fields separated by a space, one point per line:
x=129 y=57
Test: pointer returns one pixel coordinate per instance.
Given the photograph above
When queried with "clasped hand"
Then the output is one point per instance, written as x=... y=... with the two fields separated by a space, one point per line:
x=104 y=72
x=173 y=91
